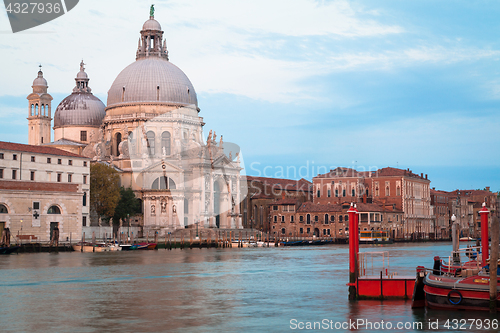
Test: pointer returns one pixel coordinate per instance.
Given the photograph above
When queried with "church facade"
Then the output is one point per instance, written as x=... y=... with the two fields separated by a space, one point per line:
x=151 y=132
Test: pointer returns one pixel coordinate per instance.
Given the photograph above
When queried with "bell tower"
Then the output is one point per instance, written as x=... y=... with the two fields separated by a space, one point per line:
x=39 y=113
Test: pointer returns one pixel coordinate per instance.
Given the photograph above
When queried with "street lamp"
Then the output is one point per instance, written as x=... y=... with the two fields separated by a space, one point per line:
x=128 y=226
x=454 y=237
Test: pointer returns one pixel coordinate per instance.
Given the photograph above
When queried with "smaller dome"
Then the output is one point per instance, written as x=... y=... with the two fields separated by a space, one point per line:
x=79 y=109
x=82 y=75
x=40 y=81
x=151 y=24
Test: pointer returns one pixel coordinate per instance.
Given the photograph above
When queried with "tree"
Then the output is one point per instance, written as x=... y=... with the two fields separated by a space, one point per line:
x=104 y=189
x=128 y=205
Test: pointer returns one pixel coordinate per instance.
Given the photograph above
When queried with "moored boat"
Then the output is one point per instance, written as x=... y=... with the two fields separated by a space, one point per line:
x=9 y=249
x=458 y=293
x=467 y=239
x=460 y=286
x=85 y=247
x=147 y=246
x=128 y=247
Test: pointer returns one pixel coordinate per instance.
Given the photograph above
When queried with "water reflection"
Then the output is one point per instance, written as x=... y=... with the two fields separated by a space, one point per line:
x=207 y=290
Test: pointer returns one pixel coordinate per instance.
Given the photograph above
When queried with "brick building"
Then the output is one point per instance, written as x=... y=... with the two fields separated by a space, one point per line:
x=441 y=212
x=466 y=204
x=290 y=218
x=263 y=191
x=390 y=188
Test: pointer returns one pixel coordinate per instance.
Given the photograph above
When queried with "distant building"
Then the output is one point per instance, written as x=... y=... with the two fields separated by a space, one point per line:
x=42 y=188
x=264 y=191
x=390 y=188
x=291 y=218
x=466 y=204
x=441 y=212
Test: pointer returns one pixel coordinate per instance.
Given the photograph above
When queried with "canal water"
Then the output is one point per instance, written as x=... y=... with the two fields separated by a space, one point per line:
x=209 y=290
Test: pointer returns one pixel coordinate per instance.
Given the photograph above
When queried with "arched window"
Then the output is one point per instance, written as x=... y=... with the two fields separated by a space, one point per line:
x=3 y=209
x=332 y=218
x=84 y=199
x=346 y=218
x=36 y=109
x=151 y=142
x=161 y=183
x=118 y=140
x=326 y=218
x=308 y=219
x=340 y=218
x=54 y=210
x=165 y=143
x=31 y=109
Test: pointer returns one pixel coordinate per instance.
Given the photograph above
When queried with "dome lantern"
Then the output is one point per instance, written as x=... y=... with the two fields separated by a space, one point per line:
x=152 y=78
x=82 y=81
x=150 y=43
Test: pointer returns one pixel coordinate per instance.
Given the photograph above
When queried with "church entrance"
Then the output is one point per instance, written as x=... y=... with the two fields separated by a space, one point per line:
x=2 y=226
x=53 y=225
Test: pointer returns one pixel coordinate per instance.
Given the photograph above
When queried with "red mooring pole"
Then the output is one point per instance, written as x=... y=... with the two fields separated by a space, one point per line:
x=356 y=244
x=485 y=242
x=353 y=231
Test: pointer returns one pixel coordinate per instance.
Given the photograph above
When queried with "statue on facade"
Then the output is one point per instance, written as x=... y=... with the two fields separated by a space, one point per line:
x=153 y=210
x=209 y=139
x=174 y=209
x=163 y=206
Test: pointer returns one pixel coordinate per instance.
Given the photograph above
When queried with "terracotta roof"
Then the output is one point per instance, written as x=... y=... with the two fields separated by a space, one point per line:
x=467 y=193
x=389 y=171
x=309 y=207
x=340 y=172
x=37 y=186
x=440 y=192
x=286 y=184
x=286 y=201
x=370 y=207
x=36 y=149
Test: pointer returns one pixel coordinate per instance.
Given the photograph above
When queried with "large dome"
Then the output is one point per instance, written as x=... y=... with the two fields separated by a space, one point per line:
x=152 y=79
x=79 y=109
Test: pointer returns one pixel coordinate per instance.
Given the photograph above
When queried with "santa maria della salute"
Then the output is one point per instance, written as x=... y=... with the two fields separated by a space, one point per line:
x=150 y=131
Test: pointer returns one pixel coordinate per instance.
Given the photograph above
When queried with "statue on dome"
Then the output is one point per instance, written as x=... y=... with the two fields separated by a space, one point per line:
x=152 y=11
x=82 y=69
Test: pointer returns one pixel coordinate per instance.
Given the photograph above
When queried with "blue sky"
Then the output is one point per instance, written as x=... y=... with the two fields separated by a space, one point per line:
x=299 y=84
